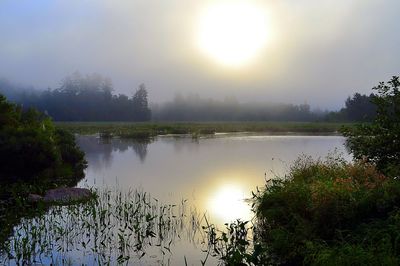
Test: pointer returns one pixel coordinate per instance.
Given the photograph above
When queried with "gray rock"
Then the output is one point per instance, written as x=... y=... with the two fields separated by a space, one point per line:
x=34 y=198
x=65 y=195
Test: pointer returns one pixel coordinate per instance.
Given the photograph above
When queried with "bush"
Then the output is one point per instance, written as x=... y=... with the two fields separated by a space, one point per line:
x=379 y=141
x=31 y=147
x=328 y=213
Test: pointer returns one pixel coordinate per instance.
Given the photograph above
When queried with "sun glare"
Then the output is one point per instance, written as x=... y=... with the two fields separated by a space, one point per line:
x=232 y=32
x=228 y=203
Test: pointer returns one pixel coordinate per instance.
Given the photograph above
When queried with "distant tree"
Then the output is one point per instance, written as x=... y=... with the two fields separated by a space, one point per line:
x=83 y=98
x=90 y=98
x=358 y=108
x=379 y=141
x=194 y=108
x=140 y=104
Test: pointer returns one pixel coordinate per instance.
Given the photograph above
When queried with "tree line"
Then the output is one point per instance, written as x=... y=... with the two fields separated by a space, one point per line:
x=358 y=108
x=194 y=108
x=82 y=98
x=91 y=98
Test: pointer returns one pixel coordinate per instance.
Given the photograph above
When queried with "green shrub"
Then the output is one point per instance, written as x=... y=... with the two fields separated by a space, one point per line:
x=31 y=147
x=379 y=141
x=330 y=213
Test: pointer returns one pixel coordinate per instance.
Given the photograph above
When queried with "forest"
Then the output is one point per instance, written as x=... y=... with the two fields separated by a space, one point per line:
x=92 y=98
x=82 y=98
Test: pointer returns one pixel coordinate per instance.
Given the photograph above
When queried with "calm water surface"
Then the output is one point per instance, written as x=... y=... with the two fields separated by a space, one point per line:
x=214 y=174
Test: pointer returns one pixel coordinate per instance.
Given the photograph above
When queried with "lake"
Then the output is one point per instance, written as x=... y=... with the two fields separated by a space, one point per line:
x=155 y=196
x=214 y=174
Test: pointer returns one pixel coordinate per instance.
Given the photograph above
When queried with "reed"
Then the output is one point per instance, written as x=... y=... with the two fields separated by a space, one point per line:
x=115 y=227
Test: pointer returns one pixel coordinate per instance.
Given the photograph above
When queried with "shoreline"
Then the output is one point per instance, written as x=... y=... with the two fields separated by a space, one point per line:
x=146 y=130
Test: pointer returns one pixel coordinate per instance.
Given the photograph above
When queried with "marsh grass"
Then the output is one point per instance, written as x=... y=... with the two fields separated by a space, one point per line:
x=152 y=129
x=234 y=244
x=114 y=227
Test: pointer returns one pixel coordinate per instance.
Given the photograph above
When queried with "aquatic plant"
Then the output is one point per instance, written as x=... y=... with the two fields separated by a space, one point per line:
x=115 y=227
x=234 y=245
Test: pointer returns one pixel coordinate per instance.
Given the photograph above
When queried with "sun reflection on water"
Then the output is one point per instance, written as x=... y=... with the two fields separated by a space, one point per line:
x=228 y=203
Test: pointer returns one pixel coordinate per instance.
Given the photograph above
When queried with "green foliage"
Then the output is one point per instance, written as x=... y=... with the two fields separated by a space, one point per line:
x=329 y=213
x=9 y=114
x=34 y=156
x=379 y=142
x=72 y=157
x=31 y=146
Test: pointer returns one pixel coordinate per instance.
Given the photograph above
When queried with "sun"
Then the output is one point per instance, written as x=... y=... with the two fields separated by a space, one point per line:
x=232 y=32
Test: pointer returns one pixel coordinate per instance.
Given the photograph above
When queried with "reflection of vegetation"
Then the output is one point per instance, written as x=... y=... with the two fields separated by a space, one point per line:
x=140 y=148
x=99 y=155
x=116 y=227
x=147 y=130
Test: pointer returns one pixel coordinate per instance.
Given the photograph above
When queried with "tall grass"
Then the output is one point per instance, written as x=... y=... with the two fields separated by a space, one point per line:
x=115 y=227
x=330 y=213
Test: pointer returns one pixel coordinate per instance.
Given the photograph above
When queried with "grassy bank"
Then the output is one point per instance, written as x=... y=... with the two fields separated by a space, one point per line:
x=149 y=129
x=329 y=213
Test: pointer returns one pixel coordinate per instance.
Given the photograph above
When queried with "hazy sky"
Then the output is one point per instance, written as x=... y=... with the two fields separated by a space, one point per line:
x=318 y=51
